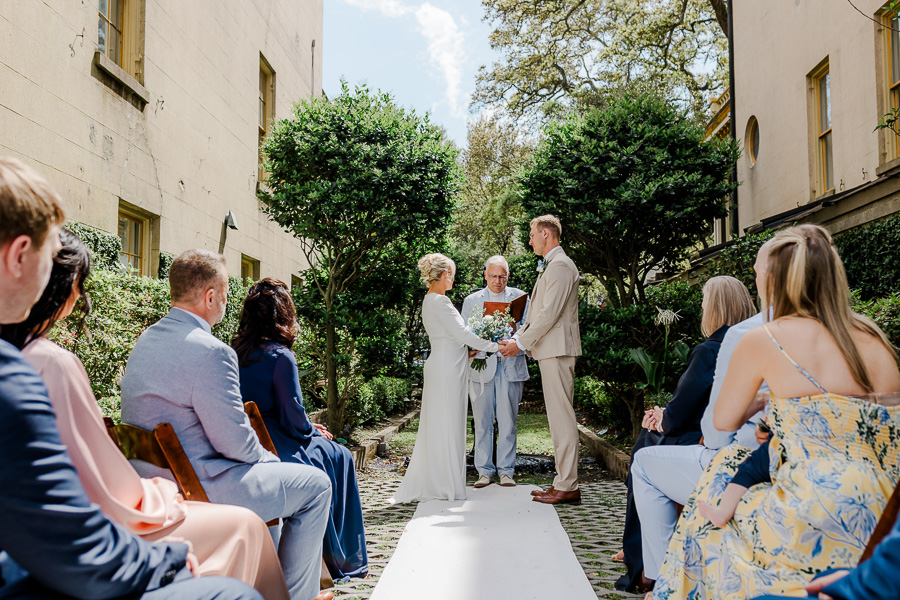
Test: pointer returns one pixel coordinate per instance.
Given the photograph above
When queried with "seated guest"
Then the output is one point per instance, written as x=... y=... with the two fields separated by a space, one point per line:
x=54 y=543
x=152 y=509
x=263 y=341
x=876 y=579
x=664 y=476
x=837 y=455
x=179 y=373
x=726 y=301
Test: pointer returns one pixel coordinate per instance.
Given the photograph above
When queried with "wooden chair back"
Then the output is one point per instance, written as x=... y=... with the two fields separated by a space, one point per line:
x=259 y=426
x=161 y=448
x=885 y=524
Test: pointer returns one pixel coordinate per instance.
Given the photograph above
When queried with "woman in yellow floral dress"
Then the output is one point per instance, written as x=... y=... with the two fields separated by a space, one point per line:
x=835 y=457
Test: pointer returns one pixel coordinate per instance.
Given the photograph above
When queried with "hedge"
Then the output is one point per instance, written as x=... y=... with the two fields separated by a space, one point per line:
x=105 y=247
x=871 y=257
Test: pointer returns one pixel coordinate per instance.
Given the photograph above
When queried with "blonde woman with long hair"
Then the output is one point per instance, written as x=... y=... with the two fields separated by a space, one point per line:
x=437 y=469
x=835 y=447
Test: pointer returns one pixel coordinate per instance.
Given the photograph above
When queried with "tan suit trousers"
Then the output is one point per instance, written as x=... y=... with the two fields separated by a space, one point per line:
x=558 y=380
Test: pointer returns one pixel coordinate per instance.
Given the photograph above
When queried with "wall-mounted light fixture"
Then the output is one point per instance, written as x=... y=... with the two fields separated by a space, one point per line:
x=230 y=221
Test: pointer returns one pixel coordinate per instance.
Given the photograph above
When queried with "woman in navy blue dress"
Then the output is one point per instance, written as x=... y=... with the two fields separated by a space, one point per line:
x=268 y=368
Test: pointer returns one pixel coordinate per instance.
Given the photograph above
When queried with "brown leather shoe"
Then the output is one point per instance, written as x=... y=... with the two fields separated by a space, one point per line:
x=559 y=497
x=542 y=492
x=325 y=595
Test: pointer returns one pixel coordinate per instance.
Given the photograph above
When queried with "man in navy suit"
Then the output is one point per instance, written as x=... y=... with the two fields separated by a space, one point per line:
x=54 y=544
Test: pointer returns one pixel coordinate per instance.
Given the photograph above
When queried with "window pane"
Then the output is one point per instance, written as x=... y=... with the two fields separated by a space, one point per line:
x=101 y=35
x=755 y=148
x=104 y=7
x=135 y=237
x=828 y=160
x=825 y=102
x=123 y=231
x=895 y=50
x=113 y=51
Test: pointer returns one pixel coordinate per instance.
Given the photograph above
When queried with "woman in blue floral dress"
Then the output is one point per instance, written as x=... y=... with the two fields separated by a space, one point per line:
x=835 y=450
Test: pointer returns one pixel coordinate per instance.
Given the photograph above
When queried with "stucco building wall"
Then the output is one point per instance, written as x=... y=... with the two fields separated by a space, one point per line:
x=189 y=154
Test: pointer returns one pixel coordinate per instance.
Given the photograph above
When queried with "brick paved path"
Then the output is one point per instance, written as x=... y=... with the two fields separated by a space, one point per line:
x=594 y=529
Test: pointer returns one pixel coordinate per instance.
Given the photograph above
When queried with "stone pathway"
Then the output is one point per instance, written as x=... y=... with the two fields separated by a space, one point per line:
x=594 y=529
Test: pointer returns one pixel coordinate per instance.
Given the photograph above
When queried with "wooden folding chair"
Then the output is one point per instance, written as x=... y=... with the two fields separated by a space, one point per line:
x=259 y=426
x=885 y=524
x=161 y=448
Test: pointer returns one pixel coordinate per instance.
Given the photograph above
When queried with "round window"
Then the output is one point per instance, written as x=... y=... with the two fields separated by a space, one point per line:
x=751 y=139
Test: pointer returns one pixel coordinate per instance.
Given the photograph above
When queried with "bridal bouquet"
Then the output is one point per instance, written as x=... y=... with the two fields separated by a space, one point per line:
x=493 y=327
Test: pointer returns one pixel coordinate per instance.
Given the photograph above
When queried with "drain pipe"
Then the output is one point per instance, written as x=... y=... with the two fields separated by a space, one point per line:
x=735 y=226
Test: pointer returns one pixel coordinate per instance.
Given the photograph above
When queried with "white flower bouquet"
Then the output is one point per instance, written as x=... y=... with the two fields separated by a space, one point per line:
x=493 y=327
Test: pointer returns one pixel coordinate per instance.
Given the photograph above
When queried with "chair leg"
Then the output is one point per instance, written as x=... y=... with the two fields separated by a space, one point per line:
x=325 y=580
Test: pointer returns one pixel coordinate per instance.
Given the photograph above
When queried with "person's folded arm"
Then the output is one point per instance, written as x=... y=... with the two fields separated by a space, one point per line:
x=216 y=398
x=289 y=396
x=554 y=294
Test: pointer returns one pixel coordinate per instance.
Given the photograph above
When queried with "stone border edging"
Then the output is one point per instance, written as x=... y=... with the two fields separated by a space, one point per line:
x=616 y=461
x=364 y=452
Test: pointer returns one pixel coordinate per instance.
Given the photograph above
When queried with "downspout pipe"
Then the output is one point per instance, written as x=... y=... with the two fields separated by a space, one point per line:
x=735 y=226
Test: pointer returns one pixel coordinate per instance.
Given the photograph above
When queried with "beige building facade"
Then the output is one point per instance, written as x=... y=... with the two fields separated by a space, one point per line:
x=147 y=116
x=812 y=81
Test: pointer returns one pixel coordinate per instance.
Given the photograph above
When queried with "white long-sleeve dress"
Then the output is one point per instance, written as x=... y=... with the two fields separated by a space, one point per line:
x=437 y=470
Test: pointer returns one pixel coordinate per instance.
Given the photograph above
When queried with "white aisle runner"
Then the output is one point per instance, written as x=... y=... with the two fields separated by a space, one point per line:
x=498 y=544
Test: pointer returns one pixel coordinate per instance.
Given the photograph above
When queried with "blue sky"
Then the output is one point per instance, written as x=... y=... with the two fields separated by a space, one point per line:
x=426 y=54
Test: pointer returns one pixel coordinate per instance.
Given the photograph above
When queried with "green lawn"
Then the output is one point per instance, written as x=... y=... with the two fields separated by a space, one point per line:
x=533 y=436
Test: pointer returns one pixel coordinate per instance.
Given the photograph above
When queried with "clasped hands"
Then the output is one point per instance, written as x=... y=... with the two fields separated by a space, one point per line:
x=653 y=419
x=509 y=348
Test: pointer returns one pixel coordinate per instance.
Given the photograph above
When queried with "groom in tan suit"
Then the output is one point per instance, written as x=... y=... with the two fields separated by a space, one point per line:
x=551 y=336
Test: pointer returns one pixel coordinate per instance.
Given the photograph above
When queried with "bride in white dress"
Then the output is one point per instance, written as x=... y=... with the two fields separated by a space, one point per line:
x=437 y=470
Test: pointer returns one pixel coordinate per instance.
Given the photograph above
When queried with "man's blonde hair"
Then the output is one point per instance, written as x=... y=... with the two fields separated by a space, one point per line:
x=726 y=301
x=548 y=222
x=28 y=205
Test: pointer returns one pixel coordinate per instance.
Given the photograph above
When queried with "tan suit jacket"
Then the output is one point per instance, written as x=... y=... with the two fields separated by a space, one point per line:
x=551 y=327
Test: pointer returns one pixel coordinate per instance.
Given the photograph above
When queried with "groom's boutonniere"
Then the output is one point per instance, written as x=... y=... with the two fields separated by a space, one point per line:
x=540 y=267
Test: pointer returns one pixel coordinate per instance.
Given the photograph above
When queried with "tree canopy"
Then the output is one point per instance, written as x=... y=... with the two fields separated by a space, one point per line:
x=355 y=178
x=564 y=52
x=635 y=186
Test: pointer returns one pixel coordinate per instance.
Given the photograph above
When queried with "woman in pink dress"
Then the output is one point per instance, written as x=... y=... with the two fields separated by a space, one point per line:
x=225 y=540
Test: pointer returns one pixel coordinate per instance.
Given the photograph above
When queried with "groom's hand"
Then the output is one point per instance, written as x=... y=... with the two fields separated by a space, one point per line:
x=509 y=348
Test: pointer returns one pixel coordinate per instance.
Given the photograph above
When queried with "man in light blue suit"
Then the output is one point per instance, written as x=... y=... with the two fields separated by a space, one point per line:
x=497 y=390
x=179 y=373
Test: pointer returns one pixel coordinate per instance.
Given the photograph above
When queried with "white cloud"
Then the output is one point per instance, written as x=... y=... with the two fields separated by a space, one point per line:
x=446 y=49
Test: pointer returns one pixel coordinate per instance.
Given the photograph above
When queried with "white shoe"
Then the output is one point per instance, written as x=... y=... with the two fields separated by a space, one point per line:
x=483 y=481
x=507 y=481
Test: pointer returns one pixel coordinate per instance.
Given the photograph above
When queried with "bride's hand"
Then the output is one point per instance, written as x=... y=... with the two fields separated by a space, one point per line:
x=472 y=353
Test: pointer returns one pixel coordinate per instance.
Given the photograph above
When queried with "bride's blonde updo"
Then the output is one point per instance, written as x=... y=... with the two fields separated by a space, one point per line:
x=432 y=266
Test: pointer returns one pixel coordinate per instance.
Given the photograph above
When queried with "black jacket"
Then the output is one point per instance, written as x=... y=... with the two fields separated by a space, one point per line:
x=682 y=416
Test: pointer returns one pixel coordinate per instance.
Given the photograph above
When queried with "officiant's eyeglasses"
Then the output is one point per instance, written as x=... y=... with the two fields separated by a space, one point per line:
x=500 y=277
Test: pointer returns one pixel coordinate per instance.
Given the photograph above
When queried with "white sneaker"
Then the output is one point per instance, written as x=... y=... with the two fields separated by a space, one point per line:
x=507 y=481
x=483 y=481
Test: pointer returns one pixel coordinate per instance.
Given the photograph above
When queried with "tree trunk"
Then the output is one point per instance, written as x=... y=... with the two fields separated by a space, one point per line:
x=335 y=406
x=721 y=10
x=636 y=410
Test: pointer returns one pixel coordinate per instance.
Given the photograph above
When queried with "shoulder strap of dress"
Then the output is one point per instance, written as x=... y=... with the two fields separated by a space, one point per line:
x=793 y=362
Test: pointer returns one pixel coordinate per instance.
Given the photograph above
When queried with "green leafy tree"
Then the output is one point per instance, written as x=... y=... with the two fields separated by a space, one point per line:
x=489 y=213
x=563 y=52
x=635 y=186
x=350 y=177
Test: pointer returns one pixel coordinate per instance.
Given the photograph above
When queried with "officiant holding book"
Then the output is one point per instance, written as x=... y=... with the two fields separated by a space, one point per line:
x=496 y=390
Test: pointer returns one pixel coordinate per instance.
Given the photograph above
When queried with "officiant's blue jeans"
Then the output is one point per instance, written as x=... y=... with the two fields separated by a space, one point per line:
x=486 y=405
